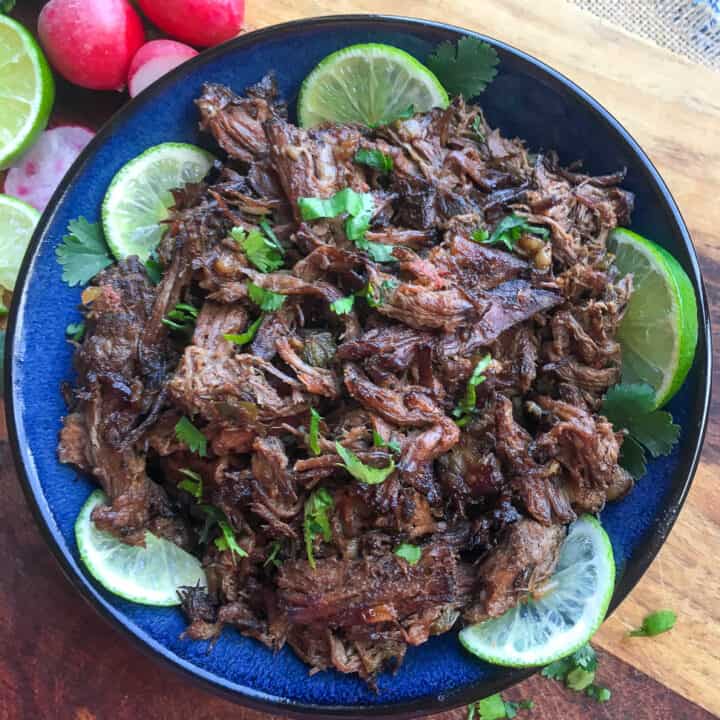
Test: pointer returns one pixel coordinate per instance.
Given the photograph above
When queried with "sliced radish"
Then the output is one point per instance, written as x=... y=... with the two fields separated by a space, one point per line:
x=153 y=60
x=37 y=174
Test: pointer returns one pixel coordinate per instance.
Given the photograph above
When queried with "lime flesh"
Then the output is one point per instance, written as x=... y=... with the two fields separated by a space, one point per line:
x=369 y=84
x=149 y=575
x=17 y=220
x=572 y=607
x=139 y=197
x=27 y=90
x=659 y=332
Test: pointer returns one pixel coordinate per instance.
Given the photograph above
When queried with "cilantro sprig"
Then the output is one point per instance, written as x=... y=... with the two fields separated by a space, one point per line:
x=409 y=553
x=246 y=337
x=378 y=442
x=375 y=159
x=188 y=434
x=359 y=470
x=465 y=68
x=508 y=231
x=83 y=252
x=496 y=707
x=655 y=624
x=227 y=539
x=75 y=331
x=342 y=306
x=314 y=439
x=577 y=672
x=191 y=483
x=266 y=300
x=316 y=521
x=260 y=246
x=631 y=406
x=466 y=407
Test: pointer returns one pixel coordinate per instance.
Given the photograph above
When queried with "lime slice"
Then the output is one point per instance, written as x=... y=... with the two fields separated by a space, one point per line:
x=139 y=196
x=368 y=84
x=573 y=605
x=149 y=575
x=27 y=90
x=17 y=220
x=660 y=329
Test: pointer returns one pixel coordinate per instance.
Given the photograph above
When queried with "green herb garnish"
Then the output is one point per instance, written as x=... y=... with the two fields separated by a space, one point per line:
x=188 y=434
x=409 y=553
x=480 y=236
x=466 y=407
x=342 y=306
x=274 y=552
x=192 y=483
x=182 y=317
x=577 y=672
x=631 y=406
x=378 y=442
x=154 y=269
x=359 y=470
x=314 y=440
x=376 y=296
x=228 y=540
x=262 y=249
x=478 y=129
x=509 y=230
x=375 y=159
x=655 y=624
x=266 y=300
x=83 y=252
x=245 y=337
x=75 y=331
x=316 y=521
x=466 y=68
x=496 y=708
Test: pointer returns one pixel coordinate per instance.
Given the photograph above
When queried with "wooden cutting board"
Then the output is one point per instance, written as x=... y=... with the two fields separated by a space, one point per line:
x=58 y=659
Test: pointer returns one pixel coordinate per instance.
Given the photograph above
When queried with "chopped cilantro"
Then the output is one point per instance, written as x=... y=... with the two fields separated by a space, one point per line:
x=192 y=483
x=314 y=440
x=275 y=548
x=478 y=129
x=466 y=407
x=375 y=159
x=228 y=540
x=378 y=442
x=577 y=671
x=316 y=521
x=655 y=624
x=480 y=235
x=182 y=317
x=598 y=693
x=631 y=406
x=496 y=708
x=266 y=300
x=187 y=433
x=359 y=470
x=509 y=230
x=409 y=553
x=466 y=68
x=261 y=248
x=83 y=252
x=376 y=296
x=75 y=331
x=342 y=306
x=245 y=337
x=153 y=269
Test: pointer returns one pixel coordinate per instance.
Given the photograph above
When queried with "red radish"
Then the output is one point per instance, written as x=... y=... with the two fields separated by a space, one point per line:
x=153 y=60
x=198 y=22
x=38 y=173
x=91 y=42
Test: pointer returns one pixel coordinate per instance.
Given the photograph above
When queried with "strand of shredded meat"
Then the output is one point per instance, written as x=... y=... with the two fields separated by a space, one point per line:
x=486 y=500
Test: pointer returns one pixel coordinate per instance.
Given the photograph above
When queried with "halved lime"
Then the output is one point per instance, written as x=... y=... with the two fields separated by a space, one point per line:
x=17 y=220
x=565 y=617
x=27 y=90
x=660 y=329
x=149 y=575
x=369 y=84
x=139 y=196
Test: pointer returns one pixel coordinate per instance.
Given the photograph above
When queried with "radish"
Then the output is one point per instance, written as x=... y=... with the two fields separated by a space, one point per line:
x=198 y=22
x=91 y=42
x=38 y=173
x=153 y=60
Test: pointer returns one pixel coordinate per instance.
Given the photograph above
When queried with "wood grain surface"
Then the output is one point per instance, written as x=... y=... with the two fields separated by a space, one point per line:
x=58 y=659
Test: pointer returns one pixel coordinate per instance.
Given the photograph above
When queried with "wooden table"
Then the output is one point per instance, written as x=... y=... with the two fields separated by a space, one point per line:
x=58 y=659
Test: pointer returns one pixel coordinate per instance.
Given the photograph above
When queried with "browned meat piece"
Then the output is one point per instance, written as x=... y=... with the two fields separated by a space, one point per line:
x=392 y=347
x=316 y=380
x=215 y=321
x=523 y=560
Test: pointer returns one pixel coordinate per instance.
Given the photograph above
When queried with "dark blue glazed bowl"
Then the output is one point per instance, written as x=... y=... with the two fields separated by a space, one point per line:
x=528 y=99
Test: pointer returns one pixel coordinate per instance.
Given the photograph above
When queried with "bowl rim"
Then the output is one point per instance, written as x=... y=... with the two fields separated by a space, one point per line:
x=643 y=554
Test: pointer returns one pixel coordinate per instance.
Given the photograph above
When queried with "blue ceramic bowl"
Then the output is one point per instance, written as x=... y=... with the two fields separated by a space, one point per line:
x=528 y=99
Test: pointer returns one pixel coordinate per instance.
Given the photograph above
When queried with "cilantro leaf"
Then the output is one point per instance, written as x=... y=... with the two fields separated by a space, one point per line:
x=508 y=231
x=481 y=235
x=466 y=407
x=375 y=159
x=154 y=270
x=598 y=693
x=478 y=129
x=378 y=442
x=75 y=331
x=314 y=440
x=578 y=679
x=376 y=296
x=559 y=669
x=83 y=252
x=655 y=624
x=379 y=252
x=262 y=250
x=585 y=658
x=272 y=555
x=632 y=457
x=342 y=306
x=577 y=671
x=496 y=708
x=245 y=337
x=316 y=521
x=182 y=317
x=266 y=300
x=466 y=68
x=228 y=540
x=187 y=433
x=409 y=553
x=192 y=483
x=359 y=470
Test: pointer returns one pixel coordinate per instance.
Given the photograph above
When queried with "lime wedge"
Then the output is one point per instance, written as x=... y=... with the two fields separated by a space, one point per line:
x=149 y=575
x=139 y=196
x=17 y=220
x=27 y=90
x=659 y=332
x=369 y=84
x=573 y=605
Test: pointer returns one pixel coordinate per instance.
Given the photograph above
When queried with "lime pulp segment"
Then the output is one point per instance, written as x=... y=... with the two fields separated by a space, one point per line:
x=27 y=90
x=571 y=609
x=659 y=331
x=368 y=84
x=139 y=197
x=18 y=221
x=149 y=575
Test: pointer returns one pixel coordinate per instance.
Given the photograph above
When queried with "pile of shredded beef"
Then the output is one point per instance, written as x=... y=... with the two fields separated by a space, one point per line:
x=488 y=503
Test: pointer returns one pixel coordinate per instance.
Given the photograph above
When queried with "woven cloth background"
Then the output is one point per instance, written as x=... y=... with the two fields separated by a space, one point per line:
x=687 y=27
